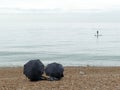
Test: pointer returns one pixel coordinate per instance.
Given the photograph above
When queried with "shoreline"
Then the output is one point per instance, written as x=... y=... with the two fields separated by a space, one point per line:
x=75 y=78
x=83 y=66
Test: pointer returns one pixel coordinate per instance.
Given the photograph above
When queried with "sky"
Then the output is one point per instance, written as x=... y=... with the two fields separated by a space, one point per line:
x=91 y=10
x=66 y=5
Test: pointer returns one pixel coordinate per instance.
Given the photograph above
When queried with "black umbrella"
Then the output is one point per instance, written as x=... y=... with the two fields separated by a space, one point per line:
x=34 y=70
x=54 y=71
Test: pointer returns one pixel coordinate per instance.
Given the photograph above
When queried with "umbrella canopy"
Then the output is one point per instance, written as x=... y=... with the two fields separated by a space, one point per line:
x=34 y=69
x=55 y=71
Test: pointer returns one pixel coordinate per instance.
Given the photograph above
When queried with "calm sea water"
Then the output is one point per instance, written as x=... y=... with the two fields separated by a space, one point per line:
x=56 y=39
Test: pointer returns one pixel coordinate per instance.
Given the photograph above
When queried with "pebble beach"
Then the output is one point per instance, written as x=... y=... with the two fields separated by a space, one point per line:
x=75 y=78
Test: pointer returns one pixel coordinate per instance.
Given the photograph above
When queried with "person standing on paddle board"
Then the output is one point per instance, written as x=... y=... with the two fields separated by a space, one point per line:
x=97 y=32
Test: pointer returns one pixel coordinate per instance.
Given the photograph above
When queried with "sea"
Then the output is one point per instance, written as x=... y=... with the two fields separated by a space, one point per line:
x=60 y=39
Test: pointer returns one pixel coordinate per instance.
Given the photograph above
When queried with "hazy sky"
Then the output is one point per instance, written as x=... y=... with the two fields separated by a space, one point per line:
x=62 y=4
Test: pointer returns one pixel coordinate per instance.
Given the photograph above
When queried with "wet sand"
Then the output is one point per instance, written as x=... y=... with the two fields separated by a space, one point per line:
x=75 y=78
